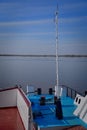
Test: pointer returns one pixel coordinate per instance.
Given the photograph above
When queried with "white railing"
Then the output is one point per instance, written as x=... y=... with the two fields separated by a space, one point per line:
x=15 y=97
x=8 y=98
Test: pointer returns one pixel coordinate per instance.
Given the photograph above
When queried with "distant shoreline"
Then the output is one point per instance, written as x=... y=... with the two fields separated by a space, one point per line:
x=36 y=55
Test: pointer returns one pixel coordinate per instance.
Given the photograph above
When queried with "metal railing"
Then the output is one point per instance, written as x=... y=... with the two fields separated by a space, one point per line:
x=70 y=92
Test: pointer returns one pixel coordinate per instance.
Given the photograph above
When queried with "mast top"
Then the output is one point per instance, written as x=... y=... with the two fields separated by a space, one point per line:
x=57 y=10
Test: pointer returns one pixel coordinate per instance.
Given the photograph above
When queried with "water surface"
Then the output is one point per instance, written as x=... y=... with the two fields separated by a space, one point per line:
x=41 y=72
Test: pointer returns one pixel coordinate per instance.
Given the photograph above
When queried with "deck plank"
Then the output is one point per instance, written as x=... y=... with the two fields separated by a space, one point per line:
x=10 y=119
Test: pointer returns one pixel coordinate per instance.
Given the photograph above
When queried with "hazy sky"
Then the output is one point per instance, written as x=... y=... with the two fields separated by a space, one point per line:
x=27 y=26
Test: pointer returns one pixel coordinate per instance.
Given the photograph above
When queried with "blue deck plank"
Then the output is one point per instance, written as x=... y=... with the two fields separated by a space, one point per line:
x=46 y=113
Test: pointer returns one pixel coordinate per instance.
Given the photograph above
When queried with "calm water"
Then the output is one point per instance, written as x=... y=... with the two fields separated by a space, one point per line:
x=40 y=72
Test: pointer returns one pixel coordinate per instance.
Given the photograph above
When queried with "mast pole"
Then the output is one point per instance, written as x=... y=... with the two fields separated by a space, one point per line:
x=59 y=113
x=57 y=65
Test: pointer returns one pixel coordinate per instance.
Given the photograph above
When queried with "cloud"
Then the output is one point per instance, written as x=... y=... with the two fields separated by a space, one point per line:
x=74 y=6
x=7 y=7
x=74 y=48
x=23 y=10
x=44 y=21
x=31 y=22
x=73 y=19
x=26 y=34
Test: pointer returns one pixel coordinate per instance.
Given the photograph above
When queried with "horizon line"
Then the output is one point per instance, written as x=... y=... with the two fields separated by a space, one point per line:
x=42 y=55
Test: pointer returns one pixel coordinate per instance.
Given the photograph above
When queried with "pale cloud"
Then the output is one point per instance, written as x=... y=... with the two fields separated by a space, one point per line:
x=20 y=9
x=26 y=34
x=74 y=48
x=74 y=6
x=7 y=7
x=73 y=19
x=44 y=21
x=6 y=4
x=31 y=22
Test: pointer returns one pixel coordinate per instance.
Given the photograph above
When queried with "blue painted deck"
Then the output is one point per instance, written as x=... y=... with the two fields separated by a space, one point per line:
x=45 y=114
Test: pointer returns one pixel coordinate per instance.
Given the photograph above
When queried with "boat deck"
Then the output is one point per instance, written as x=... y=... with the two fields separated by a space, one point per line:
x=10 y=119
x=44 y=115
x=75 y=128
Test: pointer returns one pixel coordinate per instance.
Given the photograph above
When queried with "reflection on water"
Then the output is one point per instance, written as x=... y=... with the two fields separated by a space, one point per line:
x=40 y=72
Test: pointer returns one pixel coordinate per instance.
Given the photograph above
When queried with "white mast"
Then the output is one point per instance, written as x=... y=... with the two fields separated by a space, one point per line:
x=57 y=76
